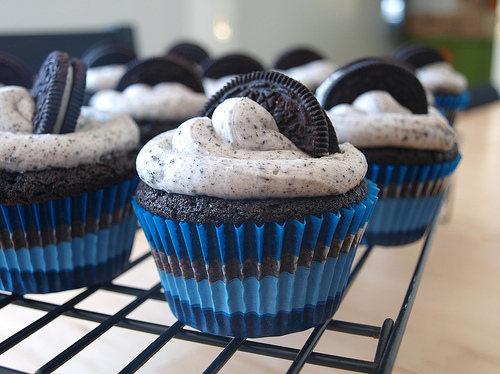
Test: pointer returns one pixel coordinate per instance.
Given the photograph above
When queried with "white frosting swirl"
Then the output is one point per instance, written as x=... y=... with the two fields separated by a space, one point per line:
x=104 y=77
x=441 y=77
x=240 y=154
x=311 y=74
x=164 y=101
x=376 y=119
x=97 y=135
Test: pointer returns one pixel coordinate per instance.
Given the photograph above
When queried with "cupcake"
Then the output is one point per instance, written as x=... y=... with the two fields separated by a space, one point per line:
x=253 y=211
x=304 y=65
x=106 y=63
x=67 y=176
x=381 y=108
x=448 y=86
x=158 y=92
x=219 y=71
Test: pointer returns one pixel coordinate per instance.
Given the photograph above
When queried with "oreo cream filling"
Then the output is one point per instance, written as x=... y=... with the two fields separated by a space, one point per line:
x=64 y=101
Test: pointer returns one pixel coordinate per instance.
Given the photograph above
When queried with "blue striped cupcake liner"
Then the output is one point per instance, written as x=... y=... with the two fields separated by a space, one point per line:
x=252 y=280
x=450 y=104
x=67 y=243
x=408 y=202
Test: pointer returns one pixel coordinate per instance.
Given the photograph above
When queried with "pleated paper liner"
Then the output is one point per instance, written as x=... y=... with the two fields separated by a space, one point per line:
x=409 y=200
x=254 y=280
x=67 y=243
x=449 y=105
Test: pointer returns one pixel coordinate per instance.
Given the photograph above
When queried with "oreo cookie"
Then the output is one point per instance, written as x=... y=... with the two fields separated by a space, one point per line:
x=417 y=55
x=188 y=51
x=355 y=78
x=108 y=53
x=296 y=57
x=296 y=111
x=58 y=92
x=13 y=72
x=155 y=70
x=231 y=64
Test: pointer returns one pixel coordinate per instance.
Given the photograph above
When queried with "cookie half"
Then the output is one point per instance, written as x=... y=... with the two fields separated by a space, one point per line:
x=108 y=53
x=155 y=70
x=417 y=55
x=189 y=51
x=231 y=64
x=13 y=72
x=296 y=57
x=58 y=91
x=355 y=78
x=296 y=111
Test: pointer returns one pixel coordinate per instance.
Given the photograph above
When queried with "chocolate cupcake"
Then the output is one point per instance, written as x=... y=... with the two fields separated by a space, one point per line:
x=252 y=235
x=305 y=65
x=158 y=92
x=381 y=108
x=67 y=176
x=447 y=86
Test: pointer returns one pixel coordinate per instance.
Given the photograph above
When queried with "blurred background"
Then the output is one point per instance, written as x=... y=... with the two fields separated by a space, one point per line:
x=341 y=30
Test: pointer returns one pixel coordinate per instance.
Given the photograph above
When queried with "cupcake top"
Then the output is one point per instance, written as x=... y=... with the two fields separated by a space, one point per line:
x=305 y=65
x=240 y=153
x=97 y=136
x=435 y=73
x=388 y=112
x=46 y=127
x=106 y=63
x=163 y=101
x=376 y=119
x=154 y=89
x=441 y=77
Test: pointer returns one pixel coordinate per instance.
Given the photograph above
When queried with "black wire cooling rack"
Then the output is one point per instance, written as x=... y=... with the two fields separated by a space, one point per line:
x=389 y=334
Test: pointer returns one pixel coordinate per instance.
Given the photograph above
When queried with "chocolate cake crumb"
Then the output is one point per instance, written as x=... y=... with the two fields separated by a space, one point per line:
x=205 y=209
x=33 y=187
x=405 y=156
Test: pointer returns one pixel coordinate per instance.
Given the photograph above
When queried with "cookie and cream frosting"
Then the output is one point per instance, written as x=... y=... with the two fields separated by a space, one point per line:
x=376 y=119
x=98 y=135
x=240 y=154
x=164 y=101
x=441 y=77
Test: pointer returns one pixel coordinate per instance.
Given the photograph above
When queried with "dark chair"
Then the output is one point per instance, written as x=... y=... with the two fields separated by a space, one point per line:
x=33 y=48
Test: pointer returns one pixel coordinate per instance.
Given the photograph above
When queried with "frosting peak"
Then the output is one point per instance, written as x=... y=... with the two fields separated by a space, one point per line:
x=240 y=154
